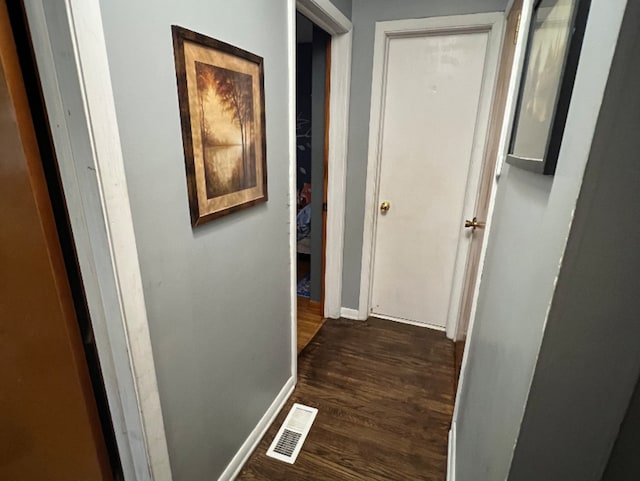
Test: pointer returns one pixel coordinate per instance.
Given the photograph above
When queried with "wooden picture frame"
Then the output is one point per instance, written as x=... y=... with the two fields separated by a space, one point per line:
x=221 y=96
x=553 y=52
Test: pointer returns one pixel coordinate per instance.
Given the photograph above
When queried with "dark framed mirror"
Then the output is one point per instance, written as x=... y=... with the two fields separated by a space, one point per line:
x=553 y=50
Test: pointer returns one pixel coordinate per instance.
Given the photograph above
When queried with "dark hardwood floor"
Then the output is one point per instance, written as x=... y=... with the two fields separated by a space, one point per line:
x=384 y=392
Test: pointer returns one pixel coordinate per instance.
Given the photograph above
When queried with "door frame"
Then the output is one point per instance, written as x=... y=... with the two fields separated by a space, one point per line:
x=515 y=80
x=493 y=23
x=498 y=136
x=326 y=15
x=70 y=50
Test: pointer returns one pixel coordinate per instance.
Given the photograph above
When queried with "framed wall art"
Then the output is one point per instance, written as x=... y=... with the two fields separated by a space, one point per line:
x=553 y=51
x=221 y=96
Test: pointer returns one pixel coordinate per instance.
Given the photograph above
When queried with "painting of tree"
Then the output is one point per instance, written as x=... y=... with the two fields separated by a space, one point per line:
x=222 y=115
x=226 y=129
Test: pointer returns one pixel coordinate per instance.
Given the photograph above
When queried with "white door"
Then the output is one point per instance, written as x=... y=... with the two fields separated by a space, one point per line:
x=432 y=127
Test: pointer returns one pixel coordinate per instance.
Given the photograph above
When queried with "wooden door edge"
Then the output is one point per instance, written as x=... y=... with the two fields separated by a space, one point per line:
x=325 y=181
x=10 y=65
x=489 y=162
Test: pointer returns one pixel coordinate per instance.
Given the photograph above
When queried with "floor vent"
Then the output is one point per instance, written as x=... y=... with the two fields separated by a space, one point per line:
x=290 y=438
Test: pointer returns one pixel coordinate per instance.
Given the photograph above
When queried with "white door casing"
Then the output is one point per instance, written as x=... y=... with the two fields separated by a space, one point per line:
x=485 y=32
x=70 y=51
x=324 y=14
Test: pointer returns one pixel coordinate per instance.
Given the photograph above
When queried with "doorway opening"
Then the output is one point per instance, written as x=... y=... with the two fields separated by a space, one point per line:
x=313 y=59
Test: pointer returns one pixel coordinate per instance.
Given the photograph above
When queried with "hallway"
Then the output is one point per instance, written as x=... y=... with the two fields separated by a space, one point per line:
x=384 y=392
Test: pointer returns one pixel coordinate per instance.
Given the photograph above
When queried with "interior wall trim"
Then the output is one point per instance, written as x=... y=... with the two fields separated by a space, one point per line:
x=451 y=454
x=325 y=15
x=293 y=254
x=249 y=446
x=70 y=50
x=352 y=314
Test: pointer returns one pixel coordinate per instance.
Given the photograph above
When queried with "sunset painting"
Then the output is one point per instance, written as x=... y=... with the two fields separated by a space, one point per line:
x=221 y=94
x=226 y=126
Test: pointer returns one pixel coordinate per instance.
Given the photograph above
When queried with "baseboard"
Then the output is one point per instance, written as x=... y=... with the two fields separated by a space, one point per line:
x=410 y=323
x=451 y=457
x=353 y=314
x=249 y=446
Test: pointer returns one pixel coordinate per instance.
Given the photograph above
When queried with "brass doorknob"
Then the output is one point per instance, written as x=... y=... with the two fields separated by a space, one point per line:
x=473 y=224
x=384 y=207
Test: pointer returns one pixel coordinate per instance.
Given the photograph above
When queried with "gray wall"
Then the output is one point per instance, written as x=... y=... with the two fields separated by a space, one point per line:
x=531 y=223
x=218 y=296
x=516 y=285
x=344 y=6
x=589 y=359
x=364 y=16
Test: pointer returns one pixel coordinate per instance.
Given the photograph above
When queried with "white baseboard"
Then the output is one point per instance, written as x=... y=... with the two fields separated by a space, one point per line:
x=451 y=458
x=353 y=314
x=410 y=323
x=249 y=446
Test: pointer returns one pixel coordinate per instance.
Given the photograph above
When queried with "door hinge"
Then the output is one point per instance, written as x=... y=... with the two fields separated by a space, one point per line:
x=324 y=207
x=515 y=36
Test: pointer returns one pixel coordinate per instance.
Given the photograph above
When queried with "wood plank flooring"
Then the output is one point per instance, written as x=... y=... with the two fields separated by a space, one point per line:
x=309 y=321
x=385 y=397
x=310 y=318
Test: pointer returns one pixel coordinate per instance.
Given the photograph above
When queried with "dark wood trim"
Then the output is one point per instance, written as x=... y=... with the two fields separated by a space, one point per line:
x=325 y=184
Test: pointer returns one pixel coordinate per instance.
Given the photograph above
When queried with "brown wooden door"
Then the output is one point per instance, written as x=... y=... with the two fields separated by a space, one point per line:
x=49 y=425
x=325 y=171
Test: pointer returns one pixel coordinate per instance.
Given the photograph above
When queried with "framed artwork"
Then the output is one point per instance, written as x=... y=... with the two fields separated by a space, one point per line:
x=553 y=51
x=221 y=95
